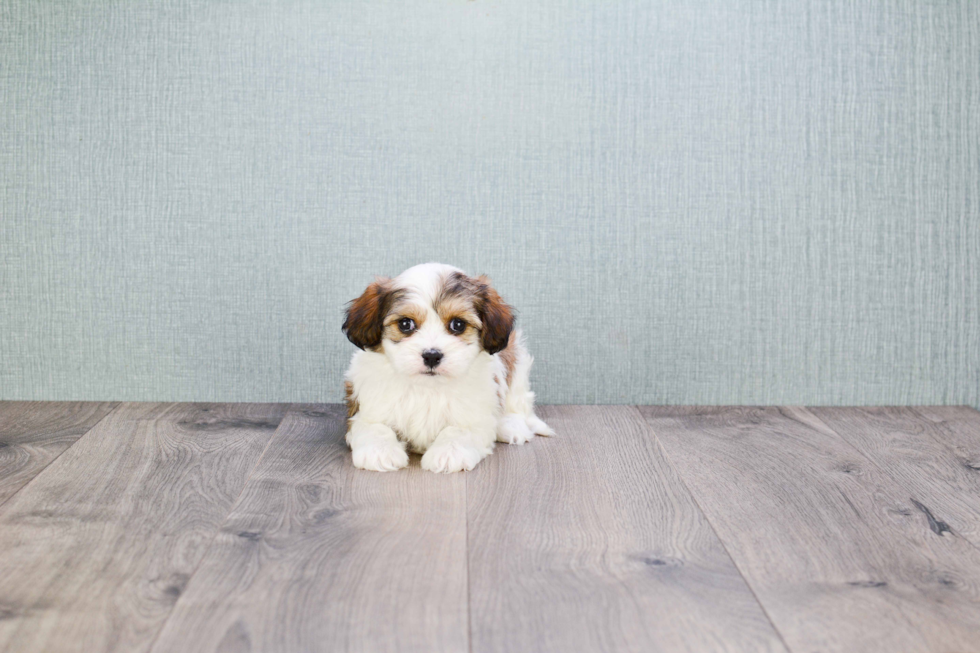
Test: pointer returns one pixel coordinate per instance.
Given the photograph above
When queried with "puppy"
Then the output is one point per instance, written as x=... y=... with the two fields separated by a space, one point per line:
x=441 y=370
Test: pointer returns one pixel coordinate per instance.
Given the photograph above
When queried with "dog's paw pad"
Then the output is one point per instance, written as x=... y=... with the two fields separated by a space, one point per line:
x=380 y=457
x=450 y=457
x=513 y=429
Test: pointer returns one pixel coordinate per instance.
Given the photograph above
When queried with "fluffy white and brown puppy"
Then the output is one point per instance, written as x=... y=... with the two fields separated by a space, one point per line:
x=441 y=370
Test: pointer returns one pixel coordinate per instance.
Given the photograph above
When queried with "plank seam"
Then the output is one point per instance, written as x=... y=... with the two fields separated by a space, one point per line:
x=714 y=530
x=77 y=440
x=218 y=526
x=469 y=597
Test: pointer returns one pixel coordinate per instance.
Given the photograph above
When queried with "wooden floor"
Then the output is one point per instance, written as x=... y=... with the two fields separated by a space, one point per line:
x=244 y=527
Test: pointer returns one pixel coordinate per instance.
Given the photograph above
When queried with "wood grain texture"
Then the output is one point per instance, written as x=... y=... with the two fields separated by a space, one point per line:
x=932 y=454
x=34 y=433
x=99 y=546
x=837 y=553
x=957 y=427
x=319 y=556
x=589 y=542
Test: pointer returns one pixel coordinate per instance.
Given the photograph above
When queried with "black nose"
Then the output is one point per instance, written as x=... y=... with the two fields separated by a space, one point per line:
x=432 y=357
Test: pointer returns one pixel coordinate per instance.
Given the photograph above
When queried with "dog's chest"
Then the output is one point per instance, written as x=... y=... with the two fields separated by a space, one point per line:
x=418 y=414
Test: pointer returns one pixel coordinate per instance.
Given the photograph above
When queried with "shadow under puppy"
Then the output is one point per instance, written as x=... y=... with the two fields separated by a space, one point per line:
x=441 y=370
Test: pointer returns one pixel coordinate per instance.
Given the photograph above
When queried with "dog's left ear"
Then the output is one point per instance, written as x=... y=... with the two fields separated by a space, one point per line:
x=364 y=324
x=496 y=315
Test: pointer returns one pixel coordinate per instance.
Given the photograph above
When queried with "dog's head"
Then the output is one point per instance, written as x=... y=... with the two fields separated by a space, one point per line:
x=431 y=320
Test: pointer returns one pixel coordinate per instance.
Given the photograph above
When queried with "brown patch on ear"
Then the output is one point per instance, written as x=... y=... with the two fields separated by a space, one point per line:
x=496 y=315
x=364 y=324
x=508 y=356
x=352 y=406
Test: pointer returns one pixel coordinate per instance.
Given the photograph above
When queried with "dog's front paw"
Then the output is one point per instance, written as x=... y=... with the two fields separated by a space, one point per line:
x=513 y=429
x=446 y=457
x=380 y=456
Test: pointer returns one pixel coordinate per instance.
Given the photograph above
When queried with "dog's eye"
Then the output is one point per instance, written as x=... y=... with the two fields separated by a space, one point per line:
x=457 y=326
x=406 y=325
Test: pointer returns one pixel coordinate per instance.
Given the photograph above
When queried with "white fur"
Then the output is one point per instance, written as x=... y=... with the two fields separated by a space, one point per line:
x=452 y=417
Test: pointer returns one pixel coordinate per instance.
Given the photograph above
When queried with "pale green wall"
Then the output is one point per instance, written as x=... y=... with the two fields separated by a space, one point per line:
x=724 y=201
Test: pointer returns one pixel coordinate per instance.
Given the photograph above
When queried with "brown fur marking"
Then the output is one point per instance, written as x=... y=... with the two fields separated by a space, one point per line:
x=352 y=406
x=451 y=307
x=398 y=311
x=458 y=284
x=497 y=316
x=508 y=356
x=364 y=325
x=495 y=319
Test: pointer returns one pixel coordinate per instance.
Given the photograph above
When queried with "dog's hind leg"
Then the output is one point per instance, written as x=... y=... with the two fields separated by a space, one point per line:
x=519 y=423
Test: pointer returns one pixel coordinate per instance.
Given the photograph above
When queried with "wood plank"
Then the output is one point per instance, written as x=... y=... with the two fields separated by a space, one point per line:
x=319 y=556
x=99 y=546
x=839 y=556
x=933 y=458
x=33 y=433
x=957 y=427
x=589 y=542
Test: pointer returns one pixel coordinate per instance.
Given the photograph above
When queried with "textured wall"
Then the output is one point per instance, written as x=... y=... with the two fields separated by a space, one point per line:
x=718 y=201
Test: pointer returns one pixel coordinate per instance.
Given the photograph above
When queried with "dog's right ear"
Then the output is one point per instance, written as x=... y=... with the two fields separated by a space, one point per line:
x=364 y=324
